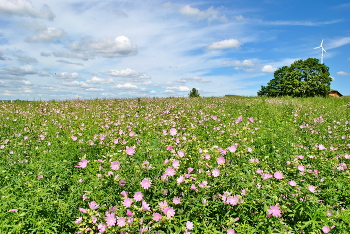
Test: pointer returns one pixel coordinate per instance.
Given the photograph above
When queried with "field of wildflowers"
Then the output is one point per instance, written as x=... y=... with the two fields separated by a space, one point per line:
x=175 y=165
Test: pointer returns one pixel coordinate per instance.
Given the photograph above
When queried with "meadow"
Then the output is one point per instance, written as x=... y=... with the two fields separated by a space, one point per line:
x=175 y=165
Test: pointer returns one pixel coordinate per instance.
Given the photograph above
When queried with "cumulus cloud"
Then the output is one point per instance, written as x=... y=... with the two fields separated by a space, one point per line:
x=66 y=75
x=2 y=55
x=125 y=86
x=43 y=74
x=225 y=44
x=25 y=59
x=268 y=69
x=20 y=70
x=210 y=14
x=86 y=48
x=67 y=62
x=244 y=63
x=47 y=35
x=127 y=73
x=44 y=54
x=75 y=83
x=25 y=8
x=94 y=89
x=96 y=80
x=342 y=73
x=181 y=88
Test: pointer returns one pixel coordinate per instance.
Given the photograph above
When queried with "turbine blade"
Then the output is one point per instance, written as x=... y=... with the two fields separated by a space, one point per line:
x=321 y=43
x=317 y=47
x=323 y=49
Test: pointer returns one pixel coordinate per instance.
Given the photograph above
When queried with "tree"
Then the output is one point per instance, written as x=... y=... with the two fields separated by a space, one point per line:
x=304 y=78
x=193 y=93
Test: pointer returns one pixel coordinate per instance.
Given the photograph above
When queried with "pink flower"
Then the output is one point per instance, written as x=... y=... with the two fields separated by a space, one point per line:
x=176 y=164
x=83 y=163
x=326 y=229
x=321 y=147
x=173 y=131
x=78 y=220
x=312 y=188
x=231 y=231
x=180 y=179
x=121 y=221
x=170 y=171
x=145 y=183
x=13 y=210
x=138 y=196
x=124 y=194
x=292 y=183
x=266 y=176
x=189 y=225
x=274 y=211
x=221 y=160
x=145 y=206
x=216 y=172
x=169 y=211
x=239 y=119
x=93 y=205
x=74 y=138
x=40 y=176
x=249 y=150
x=233 y=148
x=110 y=219
x=181 y=153
x=176 y=200
x=301 y=168
x=82 y=210
x=130 y=150
x=115 y=165
x=157 y=217
x=129 y=213
x=278 y=175
x=127 y=202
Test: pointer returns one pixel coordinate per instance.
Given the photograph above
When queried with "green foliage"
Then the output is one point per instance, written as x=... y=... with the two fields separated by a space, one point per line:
x=304 y=78
x=193 y=93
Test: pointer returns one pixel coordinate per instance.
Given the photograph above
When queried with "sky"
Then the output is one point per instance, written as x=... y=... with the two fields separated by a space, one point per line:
x=86 y=49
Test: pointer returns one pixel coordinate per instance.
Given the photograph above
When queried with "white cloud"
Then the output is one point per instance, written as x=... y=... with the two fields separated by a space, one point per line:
x=342 y=73
x=67 y=62
x=225 y=44
x=125 y=86
x=25 y=59
x=94 y=89
x=268 y=69
x=20 y=71
x=75 y=83
x=181 y=88
x=43 y=74
x=244 y=63
x=46 y=36
x=127 y=73
x=96 y=80
x=86 y=48
x=153 y=92
x=66 y=75
x=337 y=43
x=210 y=14
x=25 y=8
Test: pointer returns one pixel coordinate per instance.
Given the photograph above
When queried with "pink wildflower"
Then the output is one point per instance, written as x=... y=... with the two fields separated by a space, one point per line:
x=180 y=179
x=176 y=200
x=121 y=221
x=221 y=160
x=189 y=225
x=173 y=132
x=292 y=183
x=312 y=188
x=93 y=205
x=156 y=217
x=115 y=165
x=233 y=148
x=138 y=196
x=170 y=171
x=127 y=202
x=274 y=211
x=278 y=175
x=321 y=147
x=231 y=231
x=216 y=172
x=145 y=206
x=83 y=163
x=326 y=229
x=145 y=183
x=130 y=150
x=301 y=168
x=110 y=219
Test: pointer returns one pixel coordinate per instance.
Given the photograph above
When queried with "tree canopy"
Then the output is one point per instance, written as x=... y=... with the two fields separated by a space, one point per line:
x=303 y=78
x=193 y=93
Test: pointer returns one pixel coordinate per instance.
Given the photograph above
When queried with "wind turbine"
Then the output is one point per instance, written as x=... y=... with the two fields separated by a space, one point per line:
x=322 y=49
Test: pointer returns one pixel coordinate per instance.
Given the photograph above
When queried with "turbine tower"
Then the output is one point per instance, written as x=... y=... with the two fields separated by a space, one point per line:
x=322 y=49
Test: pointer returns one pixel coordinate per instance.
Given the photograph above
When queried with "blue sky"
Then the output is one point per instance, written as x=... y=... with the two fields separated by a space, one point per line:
x=68 y=49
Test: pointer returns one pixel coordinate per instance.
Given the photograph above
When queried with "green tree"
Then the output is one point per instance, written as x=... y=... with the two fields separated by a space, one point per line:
x=304 y=78
x=193 y=93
